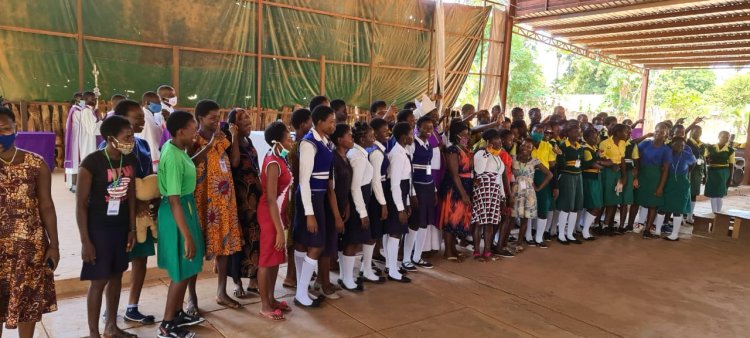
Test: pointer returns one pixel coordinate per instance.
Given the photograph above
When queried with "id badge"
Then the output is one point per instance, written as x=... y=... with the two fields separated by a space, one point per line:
x=429 y=170
x=113 y=208
x=699 y=162
x=223 y=166
x=578 y=163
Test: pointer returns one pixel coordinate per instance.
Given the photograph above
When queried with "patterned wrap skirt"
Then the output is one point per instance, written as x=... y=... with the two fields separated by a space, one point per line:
x=488 y=199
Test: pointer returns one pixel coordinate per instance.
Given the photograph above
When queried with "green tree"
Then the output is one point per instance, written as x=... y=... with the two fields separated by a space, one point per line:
x=526 y=86
x=683 y=93
x=733 y=97
x=585 y=76
x=623 y=91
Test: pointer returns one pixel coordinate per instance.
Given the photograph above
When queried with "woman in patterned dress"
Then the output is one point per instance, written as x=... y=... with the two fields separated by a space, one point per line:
x=245 y=173
x=27 y=224
x=214 y=194
x=490 y=189
x=455 y=215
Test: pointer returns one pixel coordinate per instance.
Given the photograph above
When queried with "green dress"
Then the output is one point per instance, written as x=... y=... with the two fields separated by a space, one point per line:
x=719 y=170
x=678 y=190
x=592 y=184
x=570 y=184
x=631 y=155
x=177 y=177
x=696 y=174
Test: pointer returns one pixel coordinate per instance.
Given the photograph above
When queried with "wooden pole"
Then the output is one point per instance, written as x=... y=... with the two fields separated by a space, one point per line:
x=259 y=61
x=372 y=55
x=322 y=75
x=176 y=69
x=644 y=95
x=507 y=42
x=79 y=38
x=746 y=177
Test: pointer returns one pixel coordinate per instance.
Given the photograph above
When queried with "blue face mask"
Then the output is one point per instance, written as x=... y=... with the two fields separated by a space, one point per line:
x=7 y=141
x=537 y=137
x=82 y=103
x=154 y=107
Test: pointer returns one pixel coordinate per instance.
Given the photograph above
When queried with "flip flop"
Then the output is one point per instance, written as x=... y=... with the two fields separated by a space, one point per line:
x=454 y=259
x=275 y=316
x=232 y=304
x=290 y=286
x=283 y=307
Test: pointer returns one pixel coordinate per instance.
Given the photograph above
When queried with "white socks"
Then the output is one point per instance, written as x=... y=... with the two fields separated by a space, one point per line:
x=716 y=204
x=367 y=250
x=658 y=223
x=571 y=225
x=539 y=230
x=411 y=237
x=690 y=214
x=420 y=243
x=385 y=248
x=308 y=267
x=677 y=224
x=347 y=271
x=588 y=219
x=391 y=260
x=299 y=258
x=434 y=237
x=529 y=224
x=552 y=223
x=642 y=214
x=563 y=218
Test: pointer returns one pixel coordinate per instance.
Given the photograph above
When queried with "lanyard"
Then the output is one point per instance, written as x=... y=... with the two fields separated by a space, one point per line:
x=118 y=171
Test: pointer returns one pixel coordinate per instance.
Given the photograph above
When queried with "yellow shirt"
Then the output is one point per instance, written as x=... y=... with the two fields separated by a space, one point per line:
x=614 y=152
x=545 y=154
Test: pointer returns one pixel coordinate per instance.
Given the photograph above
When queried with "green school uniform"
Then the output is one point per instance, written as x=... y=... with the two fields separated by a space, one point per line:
x=570 y=184
x=555 y=143
x=696 y=174
x=177 y=177
x=592 y=184
x=719 y=171
x=628 y=191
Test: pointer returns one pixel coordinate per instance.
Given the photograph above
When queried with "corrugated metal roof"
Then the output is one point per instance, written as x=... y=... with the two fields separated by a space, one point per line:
x=682 y=32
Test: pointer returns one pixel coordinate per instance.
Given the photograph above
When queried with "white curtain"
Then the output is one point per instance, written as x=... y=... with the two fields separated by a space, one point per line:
x=491 y=84
x=439 y=22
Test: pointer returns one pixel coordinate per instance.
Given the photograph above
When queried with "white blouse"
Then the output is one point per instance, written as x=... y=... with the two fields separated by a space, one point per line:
x=362 y=175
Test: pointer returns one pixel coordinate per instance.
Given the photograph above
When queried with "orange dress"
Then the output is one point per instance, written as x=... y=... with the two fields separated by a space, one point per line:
x=215 y=199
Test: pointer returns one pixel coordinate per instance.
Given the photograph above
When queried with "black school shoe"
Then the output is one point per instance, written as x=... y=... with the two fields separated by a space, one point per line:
x=563 y=242
x=315 y=303
x=359 y=288
x=183 y=319
x=408 y=266
x=423 y=264
x=170 y=330
x=403 y=279
x=541 y=245
x=530 y=243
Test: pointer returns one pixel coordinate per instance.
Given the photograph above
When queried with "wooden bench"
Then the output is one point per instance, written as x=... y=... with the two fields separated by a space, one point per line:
x=722 y=222
x=702 y=223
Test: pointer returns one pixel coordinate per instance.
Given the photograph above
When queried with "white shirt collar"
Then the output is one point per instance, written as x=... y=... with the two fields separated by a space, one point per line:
x=380 y=146
x=398 y=148
x=318 y=137
x=421 y=143
x=359 y=147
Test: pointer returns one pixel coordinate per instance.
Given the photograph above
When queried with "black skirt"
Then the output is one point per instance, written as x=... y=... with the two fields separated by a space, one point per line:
x=353 y=231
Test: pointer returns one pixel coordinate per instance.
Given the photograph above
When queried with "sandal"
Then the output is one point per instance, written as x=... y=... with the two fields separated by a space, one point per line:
x=192 y=309
x=478 y=257
x=454 y=259
x=230 y=303
x=488 y=255
x=120 y=334
x=283 y=307
x=275 y=316
x=289 y=285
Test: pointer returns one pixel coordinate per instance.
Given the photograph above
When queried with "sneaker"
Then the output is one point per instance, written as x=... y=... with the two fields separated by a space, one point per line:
x=506 y=253
x=133 y=315
x=183 y=319
x=170 y=330
x=409 y=266
x=423 y=264
x=541 y=245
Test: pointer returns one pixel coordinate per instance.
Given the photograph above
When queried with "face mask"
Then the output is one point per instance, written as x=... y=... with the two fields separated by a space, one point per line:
x=537 y=137
x=172 y=101
x=124 y=148
x=82 y=103
x=282 y=152
x=7 y=140
x=598 y=127
x=154 y=107
x=464 y=141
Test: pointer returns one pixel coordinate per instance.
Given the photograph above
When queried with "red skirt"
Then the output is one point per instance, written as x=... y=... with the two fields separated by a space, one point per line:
x=268 y=255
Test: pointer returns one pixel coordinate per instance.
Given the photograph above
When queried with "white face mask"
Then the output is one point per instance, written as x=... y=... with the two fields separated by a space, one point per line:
x=172 y=101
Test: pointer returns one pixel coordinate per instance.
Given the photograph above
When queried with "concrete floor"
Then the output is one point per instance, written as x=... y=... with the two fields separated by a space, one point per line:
x=620 y=286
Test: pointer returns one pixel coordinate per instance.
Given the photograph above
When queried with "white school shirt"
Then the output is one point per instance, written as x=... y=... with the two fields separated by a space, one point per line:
x=307 y=153
x=362 y=173
x=152 y=133
x=399 y=170
x=485 y=162
x=376 y=160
